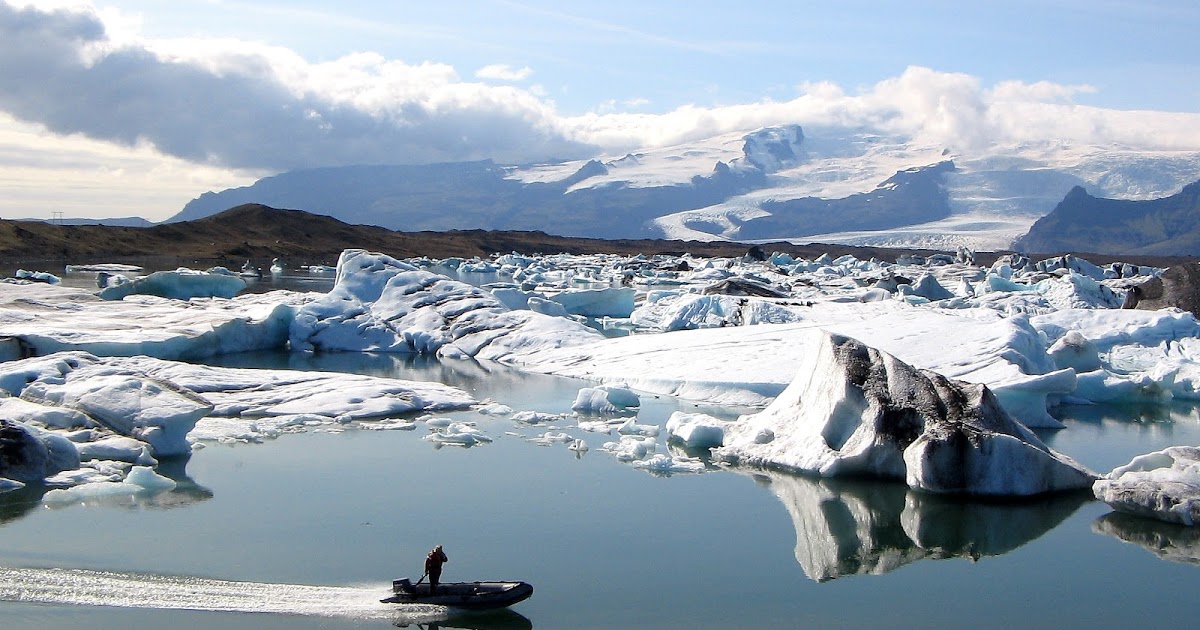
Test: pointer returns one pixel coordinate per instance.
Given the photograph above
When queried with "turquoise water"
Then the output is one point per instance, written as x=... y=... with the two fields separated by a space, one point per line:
x=308 y=530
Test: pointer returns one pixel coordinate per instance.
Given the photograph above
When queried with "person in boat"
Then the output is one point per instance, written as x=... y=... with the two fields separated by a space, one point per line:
x=433 y=567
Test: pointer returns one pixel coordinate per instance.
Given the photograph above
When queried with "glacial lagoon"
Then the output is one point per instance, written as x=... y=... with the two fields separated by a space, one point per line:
x=307 y=531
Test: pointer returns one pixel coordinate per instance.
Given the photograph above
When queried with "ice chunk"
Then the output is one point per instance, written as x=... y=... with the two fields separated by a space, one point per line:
x=666 y=464
x=118 y=448
x=1164 y=485
x=854 y=410
x=381 y=304
x=458 y=434
x=47 y=415
x=605 y=399
x=1075 y=351
x=154 y=411
x=631 y=447
x=696 y=430
x=629 y=427
x=182 y=284
x=141 y=479
x=608 y=302
x=8 y=485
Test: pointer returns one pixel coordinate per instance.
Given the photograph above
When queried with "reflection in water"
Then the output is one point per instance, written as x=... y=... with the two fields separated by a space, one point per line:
x=853 y=527
x=16 y=504
x=1169 y=541
x=489 y=620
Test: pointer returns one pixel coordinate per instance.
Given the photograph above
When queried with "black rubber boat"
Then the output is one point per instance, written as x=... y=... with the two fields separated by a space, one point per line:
x=470 y=595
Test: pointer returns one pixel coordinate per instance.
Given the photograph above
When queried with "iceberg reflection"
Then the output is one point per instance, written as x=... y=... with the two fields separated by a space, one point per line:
x=1169 y=541
x=856 y=527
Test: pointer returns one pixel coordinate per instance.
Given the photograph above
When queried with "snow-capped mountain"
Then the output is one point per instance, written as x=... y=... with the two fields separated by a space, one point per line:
x=832 y=184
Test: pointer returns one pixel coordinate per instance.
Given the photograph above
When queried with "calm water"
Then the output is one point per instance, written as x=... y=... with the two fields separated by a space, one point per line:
x=307 y=531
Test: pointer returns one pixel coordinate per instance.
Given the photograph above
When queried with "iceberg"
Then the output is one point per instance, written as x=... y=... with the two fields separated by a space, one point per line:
x=1164 y=485
x=181 y=284
x=854 y=410
x=47 y=320
x=381 y=304
x=605 y=399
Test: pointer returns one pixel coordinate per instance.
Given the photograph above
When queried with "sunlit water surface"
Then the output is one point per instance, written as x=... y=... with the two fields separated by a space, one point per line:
x=308 y=530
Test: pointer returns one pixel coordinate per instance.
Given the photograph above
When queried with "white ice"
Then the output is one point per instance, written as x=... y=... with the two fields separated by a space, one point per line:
x=1036 y=334
x=1164 y=485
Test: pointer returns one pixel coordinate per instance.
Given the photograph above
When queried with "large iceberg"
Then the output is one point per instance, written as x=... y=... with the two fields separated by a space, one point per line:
x=381 y=304
x=854 y=410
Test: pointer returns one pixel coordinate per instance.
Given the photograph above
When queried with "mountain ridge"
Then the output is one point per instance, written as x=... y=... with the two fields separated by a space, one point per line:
x=1164 y=226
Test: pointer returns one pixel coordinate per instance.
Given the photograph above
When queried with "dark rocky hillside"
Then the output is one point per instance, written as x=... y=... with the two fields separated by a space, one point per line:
x=1169 y=226
x=259 y=233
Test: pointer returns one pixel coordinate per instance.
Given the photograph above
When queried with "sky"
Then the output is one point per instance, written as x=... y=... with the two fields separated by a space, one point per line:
x=133 y=107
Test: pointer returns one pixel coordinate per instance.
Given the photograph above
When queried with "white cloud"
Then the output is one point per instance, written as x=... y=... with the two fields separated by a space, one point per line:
x=230 y=104
x=504 y=72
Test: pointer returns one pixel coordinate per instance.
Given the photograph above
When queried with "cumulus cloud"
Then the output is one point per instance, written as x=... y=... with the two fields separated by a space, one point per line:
x=253 y=106
x=504 y=72
x=258 y=107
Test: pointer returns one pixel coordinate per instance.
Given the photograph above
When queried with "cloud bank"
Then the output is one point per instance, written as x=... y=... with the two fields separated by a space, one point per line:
x=248 y=106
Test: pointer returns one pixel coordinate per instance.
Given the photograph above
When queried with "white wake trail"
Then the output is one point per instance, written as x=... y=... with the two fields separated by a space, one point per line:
x=140 y=590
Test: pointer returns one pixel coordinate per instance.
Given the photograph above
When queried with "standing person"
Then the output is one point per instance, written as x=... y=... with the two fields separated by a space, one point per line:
x=433 y=566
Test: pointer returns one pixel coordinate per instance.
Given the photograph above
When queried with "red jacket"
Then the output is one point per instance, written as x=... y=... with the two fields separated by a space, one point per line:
x=435 y=560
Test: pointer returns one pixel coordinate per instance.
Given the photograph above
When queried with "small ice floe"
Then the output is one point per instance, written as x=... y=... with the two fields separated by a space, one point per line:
x=140 y=480
x=550 y=438
x=80 y=476
x=629 y=427
x=606 y=399
x=663 y=463
x=181 y=284
x=537 y=417
x=458 y=434
x=577 y=445
x=117 y=448
x=1164 y=485
x=37 y=276
x=600 y=426
x=8 y=485
x=696 y=430
x=631 y=447
x=389 y=424
x=489 y=408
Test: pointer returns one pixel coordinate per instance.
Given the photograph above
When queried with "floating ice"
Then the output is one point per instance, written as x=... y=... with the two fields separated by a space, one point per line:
x=609 y=302
x=605 y=399
x=458 y=434
x=381 y=304
x=1164 y=485
x=141 y=479
x=662 y=463
x=46 y=320
x=696 y=430
x=182 y=284
x=854 y=410
x=631 y=447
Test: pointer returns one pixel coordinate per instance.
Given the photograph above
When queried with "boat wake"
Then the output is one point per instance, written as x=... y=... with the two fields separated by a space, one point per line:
x=141 y=590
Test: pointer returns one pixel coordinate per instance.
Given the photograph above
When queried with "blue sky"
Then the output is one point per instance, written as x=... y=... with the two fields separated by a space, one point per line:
x=129 y=107
x=655 y=56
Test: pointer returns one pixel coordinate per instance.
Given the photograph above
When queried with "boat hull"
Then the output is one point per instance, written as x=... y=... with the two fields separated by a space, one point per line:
x=468 y=595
